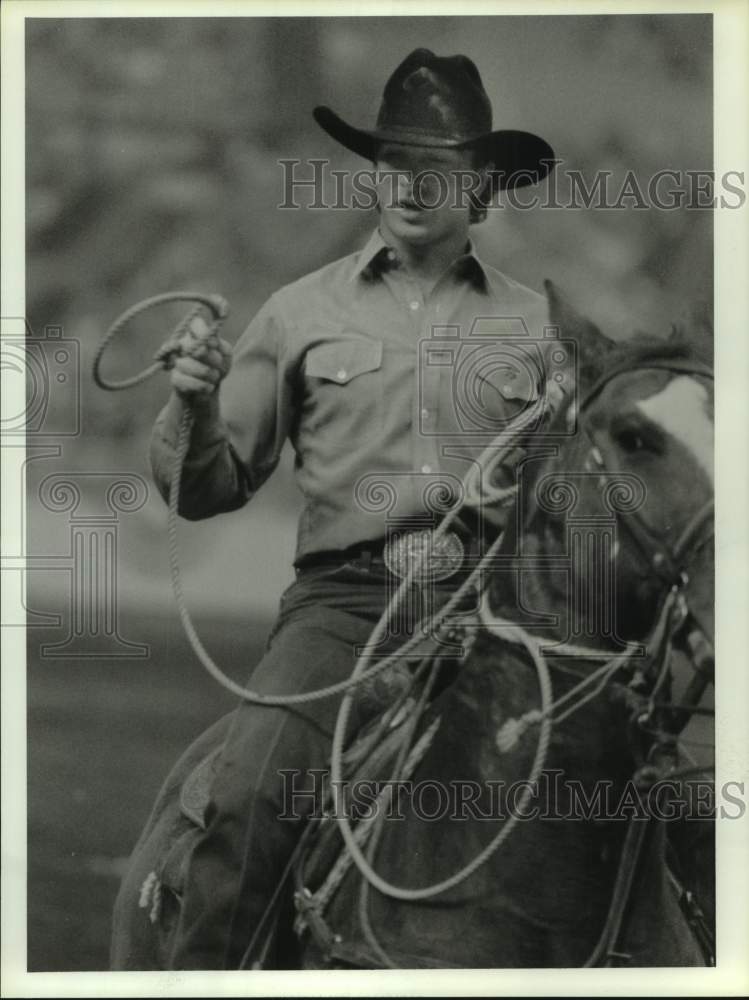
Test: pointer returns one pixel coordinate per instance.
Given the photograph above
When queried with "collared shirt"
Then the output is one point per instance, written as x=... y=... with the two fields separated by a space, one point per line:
x=387 y=397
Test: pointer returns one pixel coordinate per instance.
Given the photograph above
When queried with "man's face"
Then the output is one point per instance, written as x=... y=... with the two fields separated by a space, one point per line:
x=423 y=192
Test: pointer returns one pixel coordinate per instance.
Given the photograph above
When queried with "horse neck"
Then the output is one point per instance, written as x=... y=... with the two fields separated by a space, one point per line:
x=563 y=577
x=512 y=905
x=512 y=910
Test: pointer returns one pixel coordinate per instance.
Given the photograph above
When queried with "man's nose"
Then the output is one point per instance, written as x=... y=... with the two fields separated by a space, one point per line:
x=426 y=187
x=397 y=183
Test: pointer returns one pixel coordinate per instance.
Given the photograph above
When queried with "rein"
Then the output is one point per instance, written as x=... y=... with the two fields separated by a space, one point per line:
x=477 y=492
x=674 y=611
x=164 y=359
x=667 y=564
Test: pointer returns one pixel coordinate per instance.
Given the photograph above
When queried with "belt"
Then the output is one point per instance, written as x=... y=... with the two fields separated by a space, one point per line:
x=366 y=554
x=400 y=554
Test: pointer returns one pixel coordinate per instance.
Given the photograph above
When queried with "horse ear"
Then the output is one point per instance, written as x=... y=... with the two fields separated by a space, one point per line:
x=694 y=329
x=592 y=344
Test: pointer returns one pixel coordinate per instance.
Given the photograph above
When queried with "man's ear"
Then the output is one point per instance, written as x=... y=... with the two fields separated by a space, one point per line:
x=592 y=345
x=485 y=170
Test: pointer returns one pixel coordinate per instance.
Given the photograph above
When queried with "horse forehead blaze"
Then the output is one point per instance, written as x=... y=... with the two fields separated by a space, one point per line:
x=681 y=409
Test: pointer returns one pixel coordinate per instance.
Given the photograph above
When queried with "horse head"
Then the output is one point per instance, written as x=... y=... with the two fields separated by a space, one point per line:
x=617 y=499
x=607 y=558
x=608 y=550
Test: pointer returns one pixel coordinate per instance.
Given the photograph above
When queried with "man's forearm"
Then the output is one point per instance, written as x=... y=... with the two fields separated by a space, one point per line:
x=212 y=481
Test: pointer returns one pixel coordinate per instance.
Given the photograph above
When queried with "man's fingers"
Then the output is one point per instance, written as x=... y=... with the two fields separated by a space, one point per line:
x=198 y=369
x=192 y=378
x=202 y=359
x=189 y=385
x=224 y=347
x=209 y=355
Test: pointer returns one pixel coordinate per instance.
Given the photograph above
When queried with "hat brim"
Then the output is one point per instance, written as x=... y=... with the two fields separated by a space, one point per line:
x=520 y=158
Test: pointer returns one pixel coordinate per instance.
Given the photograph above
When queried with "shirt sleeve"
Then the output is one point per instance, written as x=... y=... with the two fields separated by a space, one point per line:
x=229 y=459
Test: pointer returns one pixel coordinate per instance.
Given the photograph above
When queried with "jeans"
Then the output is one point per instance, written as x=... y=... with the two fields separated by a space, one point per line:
x=238 y=861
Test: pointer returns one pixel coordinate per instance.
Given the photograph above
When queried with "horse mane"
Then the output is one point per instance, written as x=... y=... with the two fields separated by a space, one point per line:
x=690 y=339
x=640 y=349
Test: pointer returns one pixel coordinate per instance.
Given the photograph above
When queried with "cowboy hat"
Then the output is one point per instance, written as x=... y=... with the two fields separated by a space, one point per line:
x=440 y=102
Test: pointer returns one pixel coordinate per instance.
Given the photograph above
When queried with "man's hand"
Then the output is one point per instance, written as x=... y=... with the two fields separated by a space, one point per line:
x=203 y=361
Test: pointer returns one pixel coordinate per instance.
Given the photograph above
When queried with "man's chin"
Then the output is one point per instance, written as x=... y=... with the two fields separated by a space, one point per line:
x=410 y=226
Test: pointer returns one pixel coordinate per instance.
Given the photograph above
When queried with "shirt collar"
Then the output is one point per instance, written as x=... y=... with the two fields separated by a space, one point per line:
x=377 y=256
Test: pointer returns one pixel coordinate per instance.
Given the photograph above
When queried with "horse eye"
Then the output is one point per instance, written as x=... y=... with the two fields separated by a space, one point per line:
x=631 y=440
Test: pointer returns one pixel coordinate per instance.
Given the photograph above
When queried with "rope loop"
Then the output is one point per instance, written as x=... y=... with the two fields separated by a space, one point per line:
x=363 y=672
x=217 y=306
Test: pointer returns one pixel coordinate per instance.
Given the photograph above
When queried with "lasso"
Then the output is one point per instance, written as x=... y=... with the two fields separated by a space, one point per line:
x=477 y=491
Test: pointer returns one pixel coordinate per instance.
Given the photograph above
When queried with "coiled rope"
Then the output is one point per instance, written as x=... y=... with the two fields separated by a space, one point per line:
x=218 y=308
x=476 y=491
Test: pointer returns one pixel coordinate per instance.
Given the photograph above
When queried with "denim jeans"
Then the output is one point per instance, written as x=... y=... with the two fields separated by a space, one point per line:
x=240 y=858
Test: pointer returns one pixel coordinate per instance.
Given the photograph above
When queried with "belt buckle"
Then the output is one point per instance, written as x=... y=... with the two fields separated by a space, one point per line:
x=420 y=555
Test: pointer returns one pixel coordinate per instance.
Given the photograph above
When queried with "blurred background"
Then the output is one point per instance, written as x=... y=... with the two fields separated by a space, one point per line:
x=152 y=151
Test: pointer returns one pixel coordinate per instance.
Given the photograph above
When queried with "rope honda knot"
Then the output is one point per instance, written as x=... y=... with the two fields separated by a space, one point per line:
x=216 y=305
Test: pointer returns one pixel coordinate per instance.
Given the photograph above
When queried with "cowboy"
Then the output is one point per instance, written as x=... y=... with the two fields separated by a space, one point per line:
x=341 y=364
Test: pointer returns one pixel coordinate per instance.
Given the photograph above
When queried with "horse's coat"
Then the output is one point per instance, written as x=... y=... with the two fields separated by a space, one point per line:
x=680 y=408
x=543 y=900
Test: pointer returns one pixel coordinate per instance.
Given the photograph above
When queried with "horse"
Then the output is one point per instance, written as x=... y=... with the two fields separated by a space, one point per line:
x=609 y=542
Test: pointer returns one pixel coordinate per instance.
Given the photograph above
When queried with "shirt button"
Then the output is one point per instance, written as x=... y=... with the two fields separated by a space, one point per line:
x=426 y=469
x=341 y=374
x=414 y=304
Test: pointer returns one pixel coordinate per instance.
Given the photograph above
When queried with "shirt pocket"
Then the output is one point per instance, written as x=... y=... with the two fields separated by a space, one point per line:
x=345 y=393
x=344 y=360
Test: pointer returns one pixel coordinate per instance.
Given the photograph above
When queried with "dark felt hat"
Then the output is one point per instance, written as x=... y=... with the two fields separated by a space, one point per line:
x=440 y=101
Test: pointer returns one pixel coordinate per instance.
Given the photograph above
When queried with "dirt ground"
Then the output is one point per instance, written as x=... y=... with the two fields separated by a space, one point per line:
x=102 y=736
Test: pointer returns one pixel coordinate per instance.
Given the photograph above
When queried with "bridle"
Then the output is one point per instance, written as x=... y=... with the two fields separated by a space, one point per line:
x=669 y=563
x=677 y=625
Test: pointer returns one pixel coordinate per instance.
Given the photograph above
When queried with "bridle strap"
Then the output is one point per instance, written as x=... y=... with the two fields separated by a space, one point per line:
x=668 y=564
x=605 y=950
x=635 y=837
x=679 y=366
x=692 y=529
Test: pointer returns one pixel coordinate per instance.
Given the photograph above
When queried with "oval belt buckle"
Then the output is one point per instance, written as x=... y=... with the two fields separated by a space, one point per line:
x=429 y=558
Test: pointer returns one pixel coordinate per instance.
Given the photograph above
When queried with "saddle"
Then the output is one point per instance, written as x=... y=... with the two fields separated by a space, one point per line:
x=388 y=700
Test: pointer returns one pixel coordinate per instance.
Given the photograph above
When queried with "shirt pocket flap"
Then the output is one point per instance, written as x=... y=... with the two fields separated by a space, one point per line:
x=343 y=360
